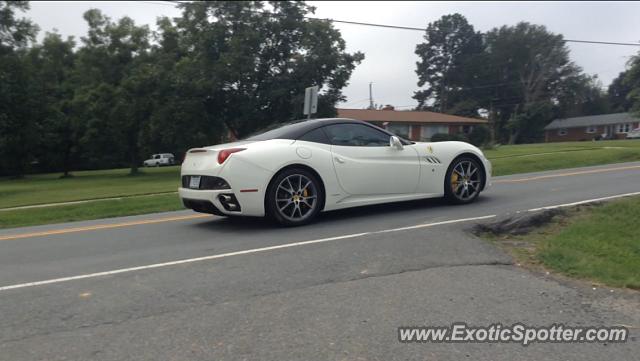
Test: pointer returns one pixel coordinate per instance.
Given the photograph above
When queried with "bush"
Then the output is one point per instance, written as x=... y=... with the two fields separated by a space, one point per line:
x=443 y=137
x=440 y=137
x=491 y=146
x=480 y=135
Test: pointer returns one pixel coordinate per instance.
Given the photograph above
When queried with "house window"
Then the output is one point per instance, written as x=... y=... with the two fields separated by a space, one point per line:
x=592 y=129
x=428 y=131
x=466 y=129
x=562 y=131
x=401 y=130
x=623 y=128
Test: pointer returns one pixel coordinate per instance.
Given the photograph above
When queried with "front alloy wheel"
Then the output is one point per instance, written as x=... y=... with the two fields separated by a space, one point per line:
x=294 y=197
x=464 y=180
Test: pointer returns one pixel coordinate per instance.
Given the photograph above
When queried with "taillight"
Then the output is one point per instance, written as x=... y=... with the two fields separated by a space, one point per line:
x=225 y=153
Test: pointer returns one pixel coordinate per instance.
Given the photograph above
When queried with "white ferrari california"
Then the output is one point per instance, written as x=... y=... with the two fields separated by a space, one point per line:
x=293 y=171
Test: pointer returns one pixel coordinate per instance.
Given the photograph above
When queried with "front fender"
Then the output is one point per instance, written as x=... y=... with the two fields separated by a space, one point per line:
x=445 y=153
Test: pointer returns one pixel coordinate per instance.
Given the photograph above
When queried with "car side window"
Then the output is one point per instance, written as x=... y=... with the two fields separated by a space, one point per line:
x=356 y=135
x=317 y=136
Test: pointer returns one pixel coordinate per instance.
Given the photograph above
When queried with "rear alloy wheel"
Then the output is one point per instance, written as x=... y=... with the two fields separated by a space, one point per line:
x=464 y=180
x=294 y=197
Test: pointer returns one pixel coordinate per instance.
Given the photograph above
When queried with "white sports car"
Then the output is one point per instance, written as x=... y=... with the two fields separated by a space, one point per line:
x=296 y=170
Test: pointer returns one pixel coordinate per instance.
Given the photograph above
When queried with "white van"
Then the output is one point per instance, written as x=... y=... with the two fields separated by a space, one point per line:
x=634 y=134
x=158 y=160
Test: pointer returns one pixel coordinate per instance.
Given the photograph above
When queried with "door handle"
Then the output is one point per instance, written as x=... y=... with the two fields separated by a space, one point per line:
x=339 y=160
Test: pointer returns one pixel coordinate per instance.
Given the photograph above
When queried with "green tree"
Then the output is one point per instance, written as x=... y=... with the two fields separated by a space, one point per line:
x=525 y=64
x=632 y=82
x=134 y=107
x=18 y=108
x=220 y=67
x=618 y=93
x=449 y=66
x=111 y=54
x=15 y=33
x=249 y=64
x=180 y=119
x=101 y=142
x=581 y=95
x=53 y=63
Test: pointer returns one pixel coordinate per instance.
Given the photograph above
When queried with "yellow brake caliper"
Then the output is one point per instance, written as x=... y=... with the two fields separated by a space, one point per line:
x=454 y=181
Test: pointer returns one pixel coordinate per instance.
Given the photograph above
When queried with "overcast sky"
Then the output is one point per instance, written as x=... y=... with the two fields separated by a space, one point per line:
x=390 y=59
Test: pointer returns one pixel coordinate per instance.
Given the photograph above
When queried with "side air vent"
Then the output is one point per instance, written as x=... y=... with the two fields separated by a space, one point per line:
x=432 y=159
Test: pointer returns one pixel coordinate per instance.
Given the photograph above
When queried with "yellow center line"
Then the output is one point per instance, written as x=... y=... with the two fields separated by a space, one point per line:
x=521 y=180
x=100 y=226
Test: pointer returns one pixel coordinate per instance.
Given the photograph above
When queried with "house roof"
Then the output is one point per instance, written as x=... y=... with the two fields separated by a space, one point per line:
x=604 y=119
x=406 y=116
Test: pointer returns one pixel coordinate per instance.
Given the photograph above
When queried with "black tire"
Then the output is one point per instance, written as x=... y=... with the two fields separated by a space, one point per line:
x=279 y=202
x=466 y=190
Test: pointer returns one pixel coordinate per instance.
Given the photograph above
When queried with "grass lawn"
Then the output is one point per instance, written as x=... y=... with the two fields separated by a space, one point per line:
x=523 y=158
x=599 y=243
x=92 y=210
x=49 y=188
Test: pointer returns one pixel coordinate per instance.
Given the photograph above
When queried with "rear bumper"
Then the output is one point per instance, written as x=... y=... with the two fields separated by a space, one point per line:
x=196 y=199
x=202 y=206
x=212 y=201
x=246 y=181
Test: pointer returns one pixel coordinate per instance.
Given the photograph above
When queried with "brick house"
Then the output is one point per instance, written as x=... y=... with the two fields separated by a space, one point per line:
x=413 y=125
x=606 y=126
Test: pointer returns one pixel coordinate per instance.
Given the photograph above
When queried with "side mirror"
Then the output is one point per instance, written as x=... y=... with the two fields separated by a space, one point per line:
x=395 y=142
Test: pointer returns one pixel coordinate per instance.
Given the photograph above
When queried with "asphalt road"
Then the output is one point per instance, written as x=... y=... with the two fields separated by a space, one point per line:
x=180 y=286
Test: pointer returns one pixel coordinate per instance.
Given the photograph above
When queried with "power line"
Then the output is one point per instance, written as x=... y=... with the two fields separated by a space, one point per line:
x=167 y=3
x=600 y=42
x=174 y=3
x=424 y=29
x=411 y=28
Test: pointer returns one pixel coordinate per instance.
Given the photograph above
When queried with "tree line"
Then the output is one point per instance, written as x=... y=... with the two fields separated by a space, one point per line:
x=224 y=69
x=520 y=76
x=221 y=69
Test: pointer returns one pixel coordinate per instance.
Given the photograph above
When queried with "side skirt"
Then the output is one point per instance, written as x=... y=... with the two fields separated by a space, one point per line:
x=356 y=201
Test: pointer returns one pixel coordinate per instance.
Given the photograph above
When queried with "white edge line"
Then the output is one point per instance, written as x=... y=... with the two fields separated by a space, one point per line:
x=585 y=201
x=231 y=254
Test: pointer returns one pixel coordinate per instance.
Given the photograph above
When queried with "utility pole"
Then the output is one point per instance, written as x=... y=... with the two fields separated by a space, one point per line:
x=371 y=96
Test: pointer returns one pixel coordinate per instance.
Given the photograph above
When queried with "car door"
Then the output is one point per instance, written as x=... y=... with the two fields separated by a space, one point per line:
x=366 y=164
